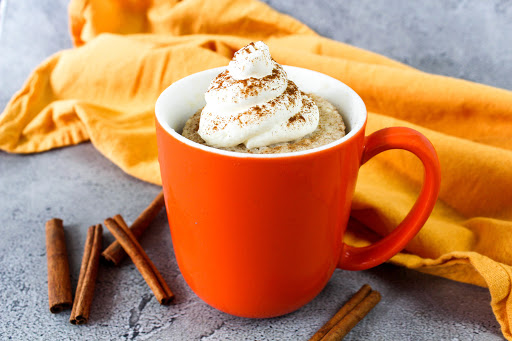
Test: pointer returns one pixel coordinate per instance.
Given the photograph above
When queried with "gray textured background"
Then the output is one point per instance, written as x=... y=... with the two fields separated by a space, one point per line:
x=465 y=39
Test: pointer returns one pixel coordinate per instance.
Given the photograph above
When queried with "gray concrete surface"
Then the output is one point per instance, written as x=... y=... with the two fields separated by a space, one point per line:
x=467 y=39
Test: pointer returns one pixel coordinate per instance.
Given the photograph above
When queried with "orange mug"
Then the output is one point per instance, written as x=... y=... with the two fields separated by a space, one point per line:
x=261 y=235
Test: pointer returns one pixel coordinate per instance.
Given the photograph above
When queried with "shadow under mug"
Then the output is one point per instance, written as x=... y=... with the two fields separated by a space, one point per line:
x=261 y=235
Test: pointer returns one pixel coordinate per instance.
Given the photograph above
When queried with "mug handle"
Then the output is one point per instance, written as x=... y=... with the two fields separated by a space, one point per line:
x=361 y=258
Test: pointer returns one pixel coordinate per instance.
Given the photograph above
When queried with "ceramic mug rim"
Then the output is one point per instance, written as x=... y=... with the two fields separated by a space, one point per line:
x=355 y=118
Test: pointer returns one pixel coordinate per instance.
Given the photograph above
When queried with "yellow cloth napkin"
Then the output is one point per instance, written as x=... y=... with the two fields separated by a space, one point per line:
x=127 y=52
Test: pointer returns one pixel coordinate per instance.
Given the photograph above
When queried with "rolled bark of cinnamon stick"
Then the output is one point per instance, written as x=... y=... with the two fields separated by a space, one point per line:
x=114 y=253
x=141 y=260
x=59 y=283
x=88 y=273
x=349 y=321
x=347 y=307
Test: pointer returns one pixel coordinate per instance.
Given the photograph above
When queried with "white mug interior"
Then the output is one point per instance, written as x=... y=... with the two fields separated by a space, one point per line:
x=185 y=97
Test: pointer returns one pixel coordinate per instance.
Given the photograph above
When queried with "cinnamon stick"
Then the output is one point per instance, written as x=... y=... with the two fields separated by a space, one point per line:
x=114 y=253
x=87 y=278
x=141 y=260
x=349 y=315
x=59 y=284
x=354 y=300
x=354 y=315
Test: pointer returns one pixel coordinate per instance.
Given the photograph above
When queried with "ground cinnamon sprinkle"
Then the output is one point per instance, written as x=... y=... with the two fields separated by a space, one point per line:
x=250 y=86
x=294 y=118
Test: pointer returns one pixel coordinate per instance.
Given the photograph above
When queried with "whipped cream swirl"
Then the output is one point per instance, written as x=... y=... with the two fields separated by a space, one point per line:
x=253 y=102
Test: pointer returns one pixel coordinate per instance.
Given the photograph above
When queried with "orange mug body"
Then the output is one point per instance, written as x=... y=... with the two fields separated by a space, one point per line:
x=261 y=235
